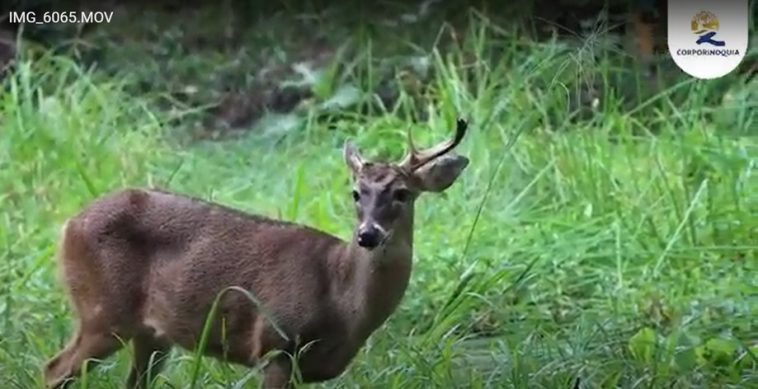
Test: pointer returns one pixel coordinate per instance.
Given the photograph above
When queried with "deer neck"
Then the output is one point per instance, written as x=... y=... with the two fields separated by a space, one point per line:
x=375 y=280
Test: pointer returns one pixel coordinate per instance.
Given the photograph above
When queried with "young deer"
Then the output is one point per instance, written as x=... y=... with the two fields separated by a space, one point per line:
x=147 y=265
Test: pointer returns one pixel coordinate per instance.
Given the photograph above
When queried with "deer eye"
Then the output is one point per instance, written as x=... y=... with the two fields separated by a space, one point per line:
x=356 y=195
x=402 y=195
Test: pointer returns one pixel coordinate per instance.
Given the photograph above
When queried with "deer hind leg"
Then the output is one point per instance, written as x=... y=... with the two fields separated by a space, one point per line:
x=149 y=355
x=99 y=334
x=86 y=345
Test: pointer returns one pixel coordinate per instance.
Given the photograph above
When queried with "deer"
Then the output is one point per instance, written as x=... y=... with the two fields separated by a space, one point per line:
x=145 y=265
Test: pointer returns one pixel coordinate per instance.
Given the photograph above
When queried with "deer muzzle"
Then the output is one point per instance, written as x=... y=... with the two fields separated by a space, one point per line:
x=371 y=235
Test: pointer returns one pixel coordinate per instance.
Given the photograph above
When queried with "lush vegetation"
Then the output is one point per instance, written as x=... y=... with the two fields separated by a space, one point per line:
x=601 y=241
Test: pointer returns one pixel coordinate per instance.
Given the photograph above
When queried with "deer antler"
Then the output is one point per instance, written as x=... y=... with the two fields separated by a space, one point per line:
x=418 y=158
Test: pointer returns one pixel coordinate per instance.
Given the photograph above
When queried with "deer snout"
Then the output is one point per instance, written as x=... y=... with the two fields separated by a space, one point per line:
x=370 y=235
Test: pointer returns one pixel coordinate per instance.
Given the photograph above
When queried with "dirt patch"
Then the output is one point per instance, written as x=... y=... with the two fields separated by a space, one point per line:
x=7 y=50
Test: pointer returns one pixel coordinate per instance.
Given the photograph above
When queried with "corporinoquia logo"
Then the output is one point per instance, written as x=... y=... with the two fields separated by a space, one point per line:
x=707 y=39
x=705 y=25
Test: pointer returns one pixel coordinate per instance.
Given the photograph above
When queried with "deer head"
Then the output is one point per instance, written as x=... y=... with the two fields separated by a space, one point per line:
x=384 y=193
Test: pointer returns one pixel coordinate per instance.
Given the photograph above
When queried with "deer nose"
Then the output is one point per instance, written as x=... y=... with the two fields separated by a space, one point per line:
x=369 y=236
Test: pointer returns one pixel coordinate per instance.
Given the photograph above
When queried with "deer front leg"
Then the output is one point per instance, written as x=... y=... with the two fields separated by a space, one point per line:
x=149 y=355
x=277 y=374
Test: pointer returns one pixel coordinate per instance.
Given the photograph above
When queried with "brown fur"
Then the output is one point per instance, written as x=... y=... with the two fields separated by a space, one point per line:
x=146 y=265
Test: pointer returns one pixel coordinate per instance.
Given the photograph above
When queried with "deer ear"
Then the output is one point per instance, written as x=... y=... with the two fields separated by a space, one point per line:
x=439 y=174
x=352 y=157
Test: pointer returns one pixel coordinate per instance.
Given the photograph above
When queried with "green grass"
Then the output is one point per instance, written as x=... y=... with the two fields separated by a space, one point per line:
x=614 y=248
